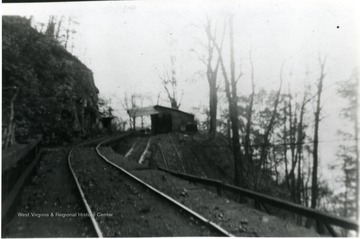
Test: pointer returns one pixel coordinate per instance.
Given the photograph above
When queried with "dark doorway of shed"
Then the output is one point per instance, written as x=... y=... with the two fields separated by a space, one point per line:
x=161 y=123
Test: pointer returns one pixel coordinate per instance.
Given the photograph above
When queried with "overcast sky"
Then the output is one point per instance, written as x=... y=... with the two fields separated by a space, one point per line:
x=124 y=43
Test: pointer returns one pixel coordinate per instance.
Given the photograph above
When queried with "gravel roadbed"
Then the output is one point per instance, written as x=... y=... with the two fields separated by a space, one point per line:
x=125 y=208
x=239 y=219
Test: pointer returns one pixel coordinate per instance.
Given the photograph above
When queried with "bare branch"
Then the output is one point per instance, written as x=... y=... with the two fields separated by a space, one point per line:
x=252 y=71
x=182 y=94
x=199 y=57
x=238 y=78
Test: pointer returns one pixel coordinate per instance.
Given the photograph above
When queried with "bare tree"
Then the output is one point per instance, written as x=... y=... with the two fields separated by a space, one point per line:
x=63 y=35
x=314 y=181
x=285 y=133
x=58 y=28
x=158 y=98
x=249 y=166
x=129 y=103
x=141 y=98
x=267 y=134
x=70 y=30
x=348 y=153
x=170 y=83
x=299 y=151
x=231 y=94
x=296 y=136
x=50 y=29
x=212 y=73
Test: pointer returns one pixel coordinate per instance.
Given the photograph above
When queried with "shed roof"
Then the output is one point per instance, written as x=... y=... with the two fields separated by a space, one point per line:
x=136 y=112
x=150 y=110
x=159 y=107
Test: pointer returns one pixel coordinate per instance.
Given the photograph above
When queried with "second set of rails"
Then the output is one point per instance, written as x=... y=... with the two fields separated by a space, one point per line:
x=104 y=185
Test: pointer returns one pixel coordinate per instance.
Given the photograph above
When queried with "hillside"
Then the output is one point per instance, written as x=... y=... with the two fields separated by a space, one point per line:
x=201 y=157
x=53 y=93
x=194 y=154
x=198 y=155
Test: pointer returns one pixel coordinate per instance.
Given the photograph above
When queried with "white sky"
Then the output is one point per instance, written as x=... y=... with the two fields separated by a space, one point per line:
x=123 y=42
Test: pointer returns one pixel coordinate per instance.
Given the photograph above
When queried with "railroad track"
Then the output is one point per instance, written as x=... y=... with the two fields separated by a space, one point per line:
x=169 y=154
x=136 y=152
x=120 y=204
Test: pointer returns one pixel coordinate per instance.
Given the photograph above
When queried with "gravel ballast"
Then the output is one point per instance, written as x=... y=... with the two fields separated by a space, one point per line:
x=239 y=219
x=128 y=209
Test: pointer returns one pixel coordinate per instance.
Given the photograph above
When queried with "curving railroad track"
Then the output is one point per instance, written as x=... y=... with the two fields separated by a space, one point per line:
x=120 y=204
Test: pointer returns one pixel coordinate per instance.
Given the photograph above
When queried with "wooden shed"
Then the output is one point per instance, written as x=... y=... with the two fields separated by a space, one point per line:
x=164 y=119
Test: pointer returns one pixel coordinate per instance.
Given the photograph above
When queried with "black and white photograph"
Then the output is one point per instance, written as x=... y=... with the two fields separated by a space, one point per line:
x=201 y=118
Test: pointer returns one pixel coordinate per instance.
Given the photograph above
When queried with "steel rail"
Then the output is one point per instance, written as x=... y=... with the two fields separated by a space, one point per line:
x=131 y=149
x=142 y=157
x=163 y=156
x=165 y=196
x=177 y=153
x=88 y=209
x=279 y=203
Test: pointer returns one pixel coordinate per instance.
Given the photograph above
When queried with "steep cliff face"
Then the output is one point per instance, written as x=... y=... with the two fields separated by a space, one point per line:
x=52 y=92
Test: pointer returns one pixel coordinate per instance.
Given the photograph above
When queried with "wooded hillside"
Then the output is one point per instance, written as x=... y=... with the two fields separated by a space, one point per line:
x=46 y=90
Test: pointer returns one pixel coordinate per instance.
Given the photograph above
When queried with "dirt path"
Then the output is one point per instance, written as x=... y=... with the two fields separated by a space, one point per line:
x=49 y=203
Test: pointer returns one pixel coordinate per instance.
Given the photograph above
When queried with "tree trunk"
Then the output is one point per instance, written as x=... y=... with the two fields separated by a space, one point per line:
x=231 y=94
x=266 y=137
x=285 y=150
x=238 y=177
x=174 y=104
x=346 y=192
x=50 y=30
x=293 y=132
x=299 y=150
x=292 y=141
x=213 y=108
x=134 y=123
x=211 y=74
x=249 y=164
x=298 y=182
x=67 y=33
x=57 y=34
x=314 y=181
x=228 y=131
x=287 y=176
